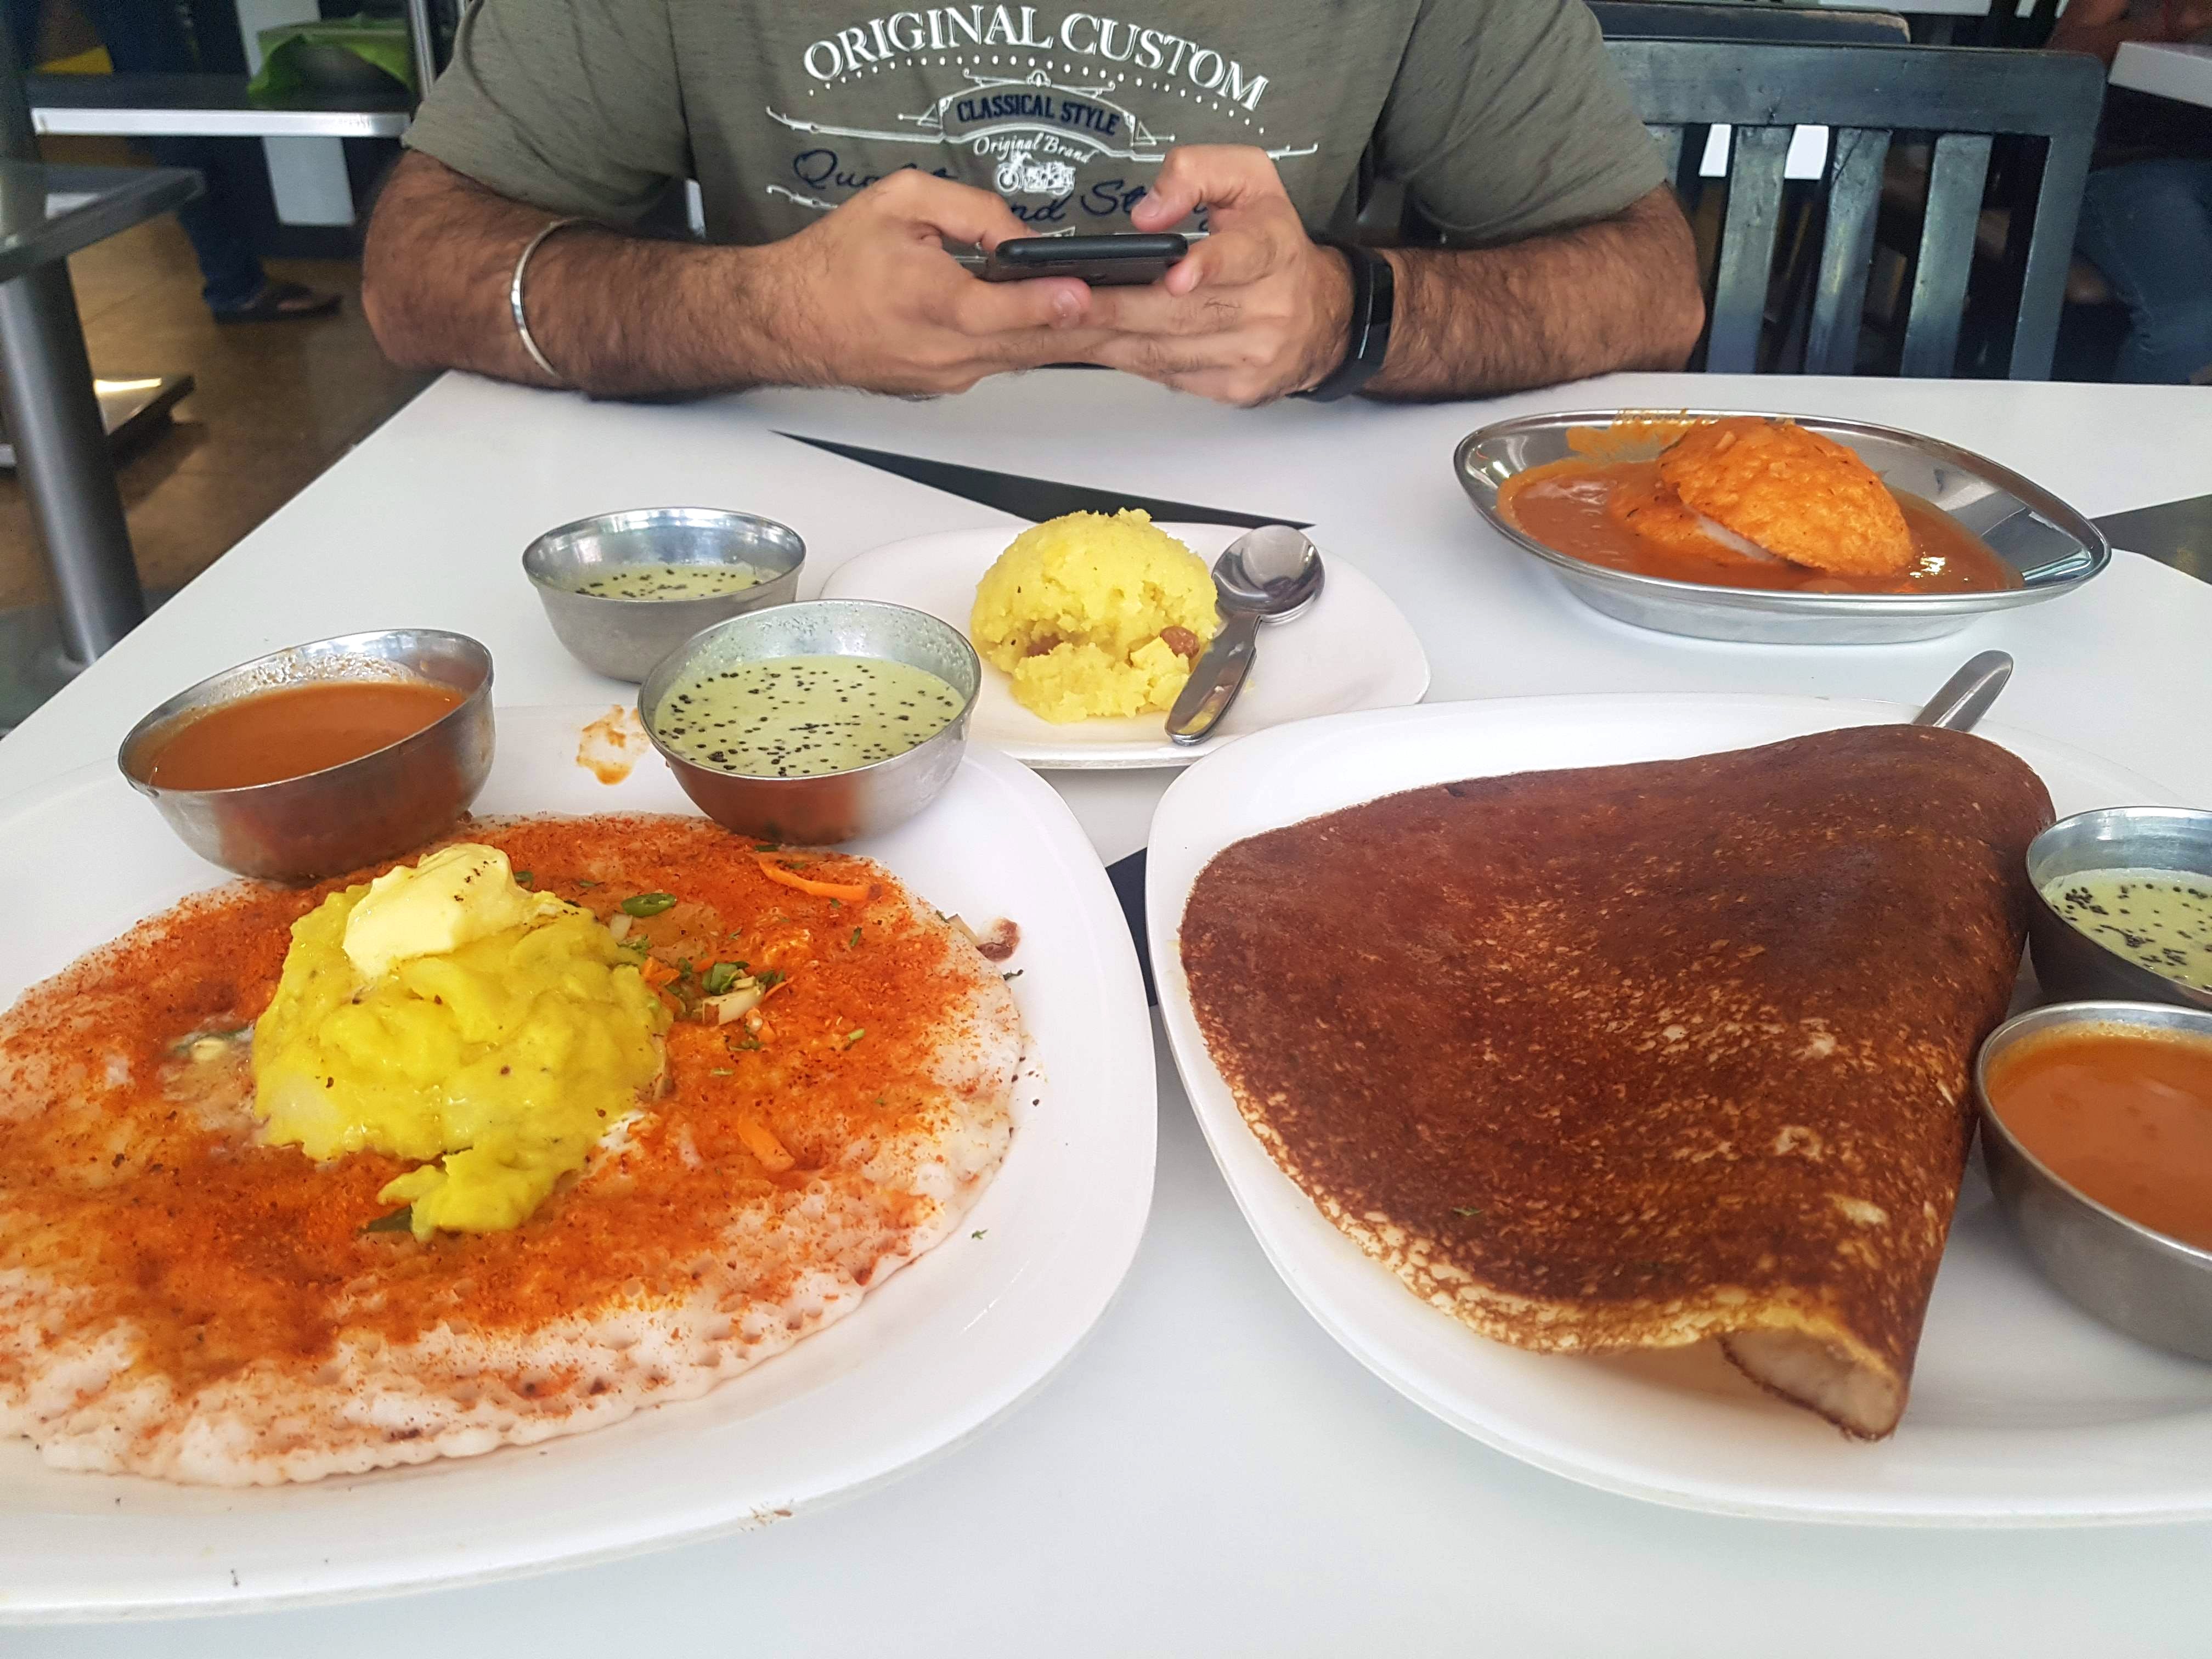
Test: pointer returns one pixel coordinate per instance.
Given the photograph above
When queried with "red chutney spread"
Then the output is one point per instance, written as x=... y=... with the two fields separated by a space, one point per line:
x=163 y=1212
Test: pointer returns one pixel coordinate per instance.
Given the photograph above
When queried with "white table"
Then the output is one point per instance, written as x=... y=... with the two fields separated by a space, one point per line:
x=1211 y=1475
x=2178 y=71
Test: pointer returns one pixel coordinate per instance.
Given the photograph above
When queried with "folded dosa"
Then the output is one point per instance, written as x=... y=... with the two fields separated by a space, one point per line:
x=1639 y=1055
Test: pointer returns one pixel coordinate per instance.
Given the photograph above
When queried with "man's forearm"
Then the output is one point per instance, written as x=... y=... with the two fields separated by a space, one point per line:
x=1621 y=294
x=616 y=315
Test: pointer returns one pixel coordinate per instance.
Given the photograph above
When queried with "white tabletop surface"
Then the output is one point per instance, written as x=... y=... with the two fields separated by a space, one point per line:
x=2180 y=71
x=1211 y=1475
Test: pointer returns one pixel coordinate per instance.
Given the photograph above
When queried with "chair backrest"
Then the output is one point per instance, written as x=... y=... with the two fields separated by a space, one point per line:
x=2005 y=25
x=1734 y=20
x=1966 y=100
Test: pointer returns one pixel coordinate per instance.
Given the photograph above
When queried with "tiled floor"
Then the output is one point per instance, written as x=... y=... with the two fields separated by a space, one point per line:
x=275 y=403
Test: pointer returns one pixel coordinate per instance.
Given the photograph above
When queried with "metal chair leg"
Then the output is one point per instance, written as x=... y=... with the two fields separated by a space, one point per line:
x=61 y=458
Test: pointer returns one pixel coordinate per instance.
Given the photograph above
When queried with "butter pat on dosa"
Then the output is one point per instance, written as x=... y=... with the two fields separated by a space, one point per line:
x=1639 y=1055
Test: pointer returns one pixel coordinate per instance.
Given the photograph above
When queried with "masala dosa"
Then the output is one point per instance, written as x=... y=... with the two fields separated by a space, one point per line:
x=181 y=1297
x=1638 y=1056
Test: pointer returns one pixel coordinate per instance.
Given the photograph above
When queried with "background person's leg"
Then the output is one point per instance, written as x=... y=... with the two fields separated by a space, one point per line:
x=147 y=37
x=2147 y=227
x=24 y=17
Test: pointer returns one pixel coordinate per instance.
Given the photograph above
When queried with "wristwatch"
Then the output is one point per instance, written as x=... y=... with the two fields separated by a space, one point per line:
x=1374 y=296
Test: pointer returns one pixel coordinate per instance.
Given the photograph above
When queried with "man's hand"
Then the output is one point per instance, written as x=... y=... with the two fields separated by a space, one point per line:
x=867 y=296
x=1254 y=310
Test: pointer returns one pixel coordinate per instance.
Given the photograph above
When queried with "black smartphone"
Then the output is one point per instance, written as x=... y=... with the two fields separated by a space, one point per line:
x=1101 y=261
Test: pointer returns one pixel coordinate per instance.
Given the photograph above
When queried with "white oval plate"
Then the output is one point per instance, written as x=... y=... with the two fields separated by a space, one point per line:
x=2025 y=1411
x=1354 y=649
x=946 y=1345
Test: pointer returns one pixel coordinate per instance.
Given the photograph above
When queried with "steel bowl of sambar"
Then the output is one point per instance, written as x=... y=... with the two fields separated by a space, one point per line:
x=322 y=758
x=2096 y=1133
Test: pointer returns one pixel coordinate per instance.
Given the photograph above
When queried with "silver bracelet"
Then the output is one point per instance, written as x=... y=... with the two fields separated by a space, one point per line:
x=514 y=298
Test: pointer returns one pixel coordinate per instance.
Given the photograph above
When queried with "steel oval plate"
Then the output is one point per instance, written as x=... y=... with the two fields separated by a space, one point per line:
x=2055 y=548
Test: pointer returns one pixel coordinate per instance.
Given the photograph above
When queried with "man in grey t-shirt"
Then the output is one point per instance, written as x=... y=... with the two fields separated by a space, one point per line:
x=837 y=153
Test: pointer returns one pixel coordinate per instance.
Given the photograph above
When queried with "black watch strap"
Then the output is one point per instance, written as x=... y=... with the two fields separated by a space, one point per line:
x=1374 y=299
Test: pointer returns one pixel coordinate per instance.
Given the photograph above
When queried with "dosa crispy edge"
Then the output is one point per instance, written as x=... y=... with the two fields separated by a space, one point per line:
x=1638 y=1055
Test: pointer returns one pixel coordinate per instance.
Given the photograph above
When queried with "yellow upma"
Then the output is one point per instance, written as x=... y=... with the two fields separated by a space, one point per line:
x=1095 y=614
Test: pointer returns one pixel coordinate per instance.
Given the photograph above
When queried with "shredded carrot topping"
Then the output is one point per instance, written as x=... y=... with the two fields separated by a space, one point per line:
x=852 y=892
x=760 y=1140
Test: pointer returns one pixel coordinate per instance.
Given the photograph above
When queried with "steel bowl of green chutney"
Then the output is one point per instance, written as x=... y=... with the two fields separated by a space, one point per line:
x=2122 y=906
x=815 y=723
x=623 y=590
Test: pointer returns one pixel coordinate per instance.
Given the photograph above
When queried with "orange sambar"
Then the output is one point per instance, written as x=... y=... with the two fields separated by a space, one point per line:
x=2124 y=1117
x=295 y=730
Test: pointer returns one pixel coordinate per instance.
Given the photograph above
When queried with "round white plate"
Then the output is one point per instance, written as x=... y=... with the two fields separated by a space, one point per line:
x=1354 y=649
x=945 y=1345
x=2024 y=1410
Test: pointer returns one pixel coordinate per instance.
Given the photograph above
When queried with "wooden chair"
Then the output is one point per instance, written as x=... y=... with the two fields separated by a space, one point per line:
x=1762 y=22
x=1966 y=100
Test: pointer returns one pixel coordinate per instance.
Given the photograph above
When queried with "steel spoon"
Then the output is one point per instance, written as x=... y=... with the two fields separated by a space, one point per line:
x=1964 y=698
x=1265 y=575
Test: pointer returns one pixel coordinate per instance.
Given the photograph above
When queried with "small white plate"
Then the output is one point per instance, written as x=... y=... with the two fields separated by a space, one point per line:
x=2025 y=1411
x=1354 y=649
x=942 y=1348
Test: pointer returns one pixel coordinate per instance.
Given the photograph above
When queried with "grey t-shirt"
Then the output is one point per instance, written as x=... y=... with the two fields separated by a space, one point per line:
x=1502 y=118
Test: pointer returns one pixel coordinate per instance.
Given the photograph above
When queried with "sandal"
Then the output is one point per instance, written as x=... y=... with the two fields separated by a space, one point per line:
x=279 y=303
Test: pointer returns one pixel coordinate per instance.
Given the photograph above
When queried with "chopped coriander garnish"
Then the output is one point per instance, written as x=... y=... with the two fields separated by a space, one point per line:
x=854 y=943
x=581 y=882
x=524 y=878
x=647 y=904
x=400 y=1221
x=721 y=977
x=741 y=1047
x=769 y=977
x=852 y=1037
x=1016 y=974
x=979 y=1232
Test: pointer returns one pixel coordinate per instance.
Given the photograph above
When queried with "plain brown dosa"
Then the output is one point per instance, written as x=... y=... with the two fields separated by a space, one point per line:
x=1638 y=1055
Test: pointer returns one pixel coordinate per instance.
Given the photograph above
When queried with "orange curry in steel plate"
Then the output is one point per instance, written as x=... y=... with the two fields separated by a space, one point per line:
x=1744 y=502
x=236 y=1251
